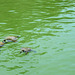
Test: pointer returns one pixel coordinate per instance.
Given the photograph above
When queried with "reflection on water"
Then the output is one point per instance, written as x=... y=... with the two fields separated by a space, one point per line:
x=47 y=26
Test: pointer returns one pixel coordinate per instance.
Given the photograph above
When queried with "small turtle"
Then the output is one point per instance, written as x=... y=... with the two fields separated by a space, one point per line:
x=2 y=43
x=11 y=38
x=26 y=50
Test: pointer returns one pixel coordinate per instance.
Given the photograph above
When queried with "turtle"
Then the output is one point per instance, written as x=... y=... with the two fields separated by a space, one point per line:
x=26 y=50
x=11 y=38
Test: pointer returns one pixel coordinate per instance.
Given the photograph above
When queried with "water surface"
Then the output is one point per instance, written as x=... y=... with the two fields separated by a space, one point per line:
x=48 y=27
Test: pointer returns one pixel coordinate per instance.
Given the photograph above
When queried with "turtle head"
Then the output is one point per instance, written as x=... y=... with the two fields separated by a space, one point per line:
x=4 y=41
x=22 y=51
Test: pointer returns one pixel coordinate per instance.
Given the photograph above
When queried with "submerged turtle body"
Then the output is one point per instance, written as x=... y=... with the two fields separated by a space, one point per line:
x=11 y=38
x=25 y=49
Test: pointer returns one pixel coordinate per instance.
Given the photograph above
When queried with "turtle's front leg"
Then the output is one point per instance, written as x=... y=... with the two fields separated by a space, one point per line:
x=26 y=53
x=20 y=51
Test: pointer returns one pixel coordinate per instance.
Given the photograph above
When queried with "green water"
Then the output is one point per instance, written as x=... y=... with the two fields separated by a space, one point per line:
x=48 y=27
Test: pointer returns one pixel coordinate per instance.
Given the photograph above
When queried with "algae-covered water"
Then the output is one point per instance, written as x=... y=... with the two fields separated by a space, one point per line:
x=48 y=27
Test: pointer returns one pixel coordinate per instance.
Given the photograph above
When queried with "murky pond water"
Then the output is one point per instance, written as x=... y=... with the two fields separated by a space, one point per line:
x=48 y=27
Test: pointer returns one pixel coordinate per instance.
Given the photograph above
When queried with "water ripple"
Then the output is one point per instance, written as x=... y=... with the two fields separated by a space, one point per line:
x=3 y=23
x=13 y=11
x=13 y=68
x=48 y=27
